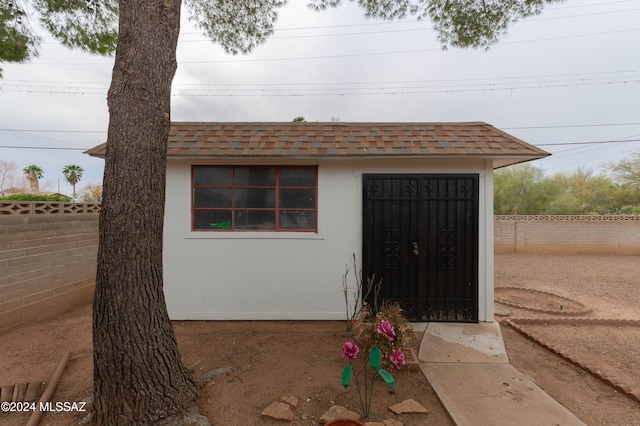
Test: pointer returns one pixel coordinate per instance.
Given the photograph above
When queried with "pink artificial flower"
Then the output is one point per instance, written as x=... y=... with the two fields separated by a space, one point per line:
x=387 y=329
x=350 y=351
x=397 y=358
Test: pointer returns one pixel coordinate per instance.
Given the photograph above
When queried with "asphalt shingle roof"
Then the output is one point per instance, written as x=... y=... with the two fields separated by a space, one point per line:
x=322 y=140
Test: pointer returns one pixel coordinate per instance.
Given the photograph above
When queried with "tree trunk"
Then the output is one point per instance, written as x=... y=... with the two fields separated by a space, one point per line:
x=34 y=186
x=139 y=377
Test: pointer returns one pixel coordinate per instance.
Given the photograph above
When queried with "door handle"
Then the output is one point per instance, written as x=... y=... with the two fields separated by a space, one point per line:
x=415 y=248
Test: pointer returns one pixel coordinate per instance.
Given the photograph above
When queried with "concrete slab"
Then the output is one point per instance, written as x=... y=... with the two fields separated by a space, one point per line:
x=419 y=327
x=494 y=394
x=463 y=343
x=468 y=368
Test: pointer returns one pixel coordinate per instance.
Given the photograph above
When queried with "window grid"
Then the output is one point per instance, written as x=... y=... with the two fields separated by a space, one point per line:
x=277 y=187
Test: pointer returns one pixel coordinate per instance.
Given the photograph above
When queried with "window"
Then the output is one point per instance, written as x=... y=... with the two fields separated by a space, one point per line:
x=245 y=198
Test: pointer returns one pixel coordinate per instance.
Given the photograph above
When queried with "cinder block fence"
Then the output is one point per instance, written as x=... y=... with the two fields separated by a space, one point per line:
x=47 y=259
x=48 y=251
x=567 y=234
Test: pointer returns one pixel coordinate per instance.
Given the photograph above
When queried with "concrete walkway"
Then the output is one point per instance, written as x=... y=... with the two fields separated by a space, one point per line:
x=468 y=367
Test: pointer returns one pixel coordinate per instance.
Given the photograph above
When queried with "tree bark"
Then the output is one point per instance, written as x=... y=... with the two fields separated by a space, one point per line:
x=139 y=376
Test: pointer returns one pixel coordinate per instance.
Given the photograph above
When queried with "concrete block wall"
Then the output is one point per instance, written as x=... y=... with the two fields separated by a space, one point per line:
x=47 y=261
x=567 y=234
x=48 y=251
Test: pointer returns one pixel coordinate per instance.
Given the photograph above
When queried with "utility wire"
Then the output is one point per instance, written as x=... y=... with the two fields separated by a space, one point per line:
x=588 y=142
x=570 y=126
x=381 y=91
x=503 y=128
x=351 y=55
x=540 y=144
x=55 y=148
x=264 y=86
x=52 y=131
x=403 y=30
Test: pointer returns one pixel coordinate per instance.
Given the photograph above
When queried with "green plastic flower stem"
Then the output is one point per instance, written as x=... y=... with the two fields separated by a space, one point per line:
x=355 y=375
x=370 y=396
x=367 y=398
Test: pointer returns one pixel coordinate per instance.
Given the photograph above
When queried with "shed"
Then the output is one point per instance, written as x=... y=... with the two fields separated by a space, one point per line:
x=262 y=219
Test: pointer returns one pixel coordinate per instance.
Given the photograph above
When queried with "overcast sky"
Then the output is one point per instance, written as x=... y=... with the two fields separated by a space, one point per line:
x=558 y=80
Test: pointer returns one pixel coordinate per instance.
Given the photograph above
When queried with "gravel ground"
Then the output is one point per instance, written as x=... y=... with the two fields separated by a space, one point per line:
x=607 y=285
x=600 y=292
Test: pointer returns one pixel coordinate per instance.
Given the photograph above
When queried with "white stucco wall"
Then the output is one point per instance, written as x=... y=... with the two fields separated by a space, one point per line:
x=267 y=275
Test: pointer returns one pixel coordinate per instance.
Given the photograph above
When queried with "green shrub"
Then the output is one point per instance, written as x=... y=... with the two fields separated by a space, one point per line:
x=36 y=197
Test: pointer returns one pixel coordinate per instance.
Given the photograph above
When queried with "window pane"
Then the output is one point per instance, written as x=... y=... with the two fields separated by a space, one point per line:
x=298 y=198
x=255 y=176
x=297 y=219
x=212 y=219
x=212 y=197
x=298 y=177
x=255 y=219
x=255 y=198
x=212 y=176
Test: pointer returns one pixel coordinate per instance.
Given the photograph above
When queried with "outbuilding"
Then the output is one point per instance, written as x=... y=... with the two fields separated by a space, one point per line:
x=262 y=219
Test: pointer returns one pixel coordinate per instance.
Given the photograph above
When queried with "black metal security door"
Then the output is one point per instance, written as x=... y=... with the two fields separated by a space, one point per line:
x=420 y=236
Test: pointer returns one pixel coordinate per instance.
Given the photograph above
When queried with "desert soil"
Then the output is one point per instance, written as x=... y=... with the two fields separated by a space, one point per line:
x=263 y=361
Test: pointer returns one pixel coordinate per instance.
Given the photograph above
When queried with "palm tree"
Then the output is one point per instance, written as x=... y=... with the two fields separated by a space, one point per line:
x=34 y=174
x=73 y=173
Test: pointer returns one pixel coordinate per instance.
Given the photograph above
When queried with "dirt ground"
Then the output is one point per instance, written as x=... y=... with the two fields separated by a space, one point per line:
x=264 y=361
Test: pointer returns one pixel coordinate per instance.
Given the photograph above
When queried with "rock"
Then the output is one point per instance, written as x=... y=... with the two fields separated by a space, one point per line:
x=338 y=412
x=278 y=411
x=291 y=400
x=392 y=422
x=190 y=417
x=501 y=311
x=216 y=373
x=408 y=406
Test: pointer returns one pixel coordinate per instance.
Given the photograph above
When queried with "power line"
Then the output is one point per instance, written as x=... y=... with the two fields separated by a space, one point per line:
x=591 y=5
x=539 y=144
x=205 y=40
x=488 y=80
x=503 y=128
x=386 y=91
x=570 y=126
x=393 y=92
x=412 y=21
x=52 y=131
x=400 y=52
x=407 y=84
x=587 y=142
x=354 y=55
x=54 y=148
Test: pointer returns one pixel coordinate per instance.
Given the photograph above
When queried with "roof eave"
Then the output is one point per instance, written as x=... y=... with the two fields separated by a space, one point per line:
x=499 y=160
x=499 y=163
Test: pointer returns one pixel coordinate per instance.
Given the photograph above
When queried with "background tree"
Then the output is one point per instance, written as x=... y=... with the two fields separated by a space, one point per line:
x=7 y=175
x=517 y=190
x=299 y=119
x=626 y=174
x=524 y=189
x=34 y=174
x=627 y=171
x=91 y=193
x=138 y=375
x=73 y=173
